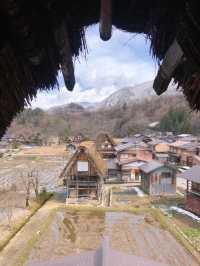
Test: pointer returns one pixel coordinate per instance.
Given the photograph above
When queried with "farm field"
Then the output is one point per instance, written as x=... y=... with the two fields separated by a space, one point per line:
x=46 y=163
x=57 y=232
x=72 y=233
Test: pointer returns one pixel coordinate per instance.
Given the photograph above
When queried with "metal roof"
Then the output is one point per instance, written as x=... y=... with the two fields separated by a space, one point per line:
x=192 y=174
x=122 y=147
x=150 y=166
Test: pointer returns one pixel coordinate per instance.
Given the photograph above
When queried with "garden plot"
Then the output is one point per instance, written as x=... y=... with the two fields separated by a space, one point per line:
x=72 y=233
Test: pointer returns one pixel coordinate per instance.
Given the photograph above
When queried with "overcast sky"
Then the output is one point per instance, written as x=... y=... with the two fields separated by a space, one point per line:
x=122 y=61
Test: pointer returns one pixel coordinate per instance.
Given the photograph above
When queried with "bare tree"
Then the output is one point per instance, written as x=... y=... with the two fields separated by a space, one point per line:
x=35 y=183
x=9 y=209
x=8 y=204
x=26 y=181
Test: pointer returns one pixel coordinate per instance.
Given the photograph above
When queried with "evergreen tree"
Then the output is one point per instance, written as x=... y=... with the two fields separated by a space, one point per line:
x=177 y=120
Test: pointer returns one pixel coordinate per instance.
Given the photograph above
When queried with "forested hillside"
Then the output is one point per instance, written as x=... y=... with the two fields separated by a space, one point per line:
x=119 y=121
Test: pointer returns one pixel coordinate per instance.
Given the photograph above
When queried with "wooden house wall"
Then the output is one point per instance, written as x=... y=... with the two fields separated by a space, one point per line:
x=193 y=203
x=130 y=175
x=145 y=155
x=145 y=182
x=127 y=154
x=133 y=153
x=153 y=183
x=186 y=156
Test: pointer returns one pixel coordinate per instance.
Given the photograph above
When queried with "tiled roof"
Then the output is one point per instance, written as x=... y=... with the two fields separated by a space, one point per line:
x=151 y=166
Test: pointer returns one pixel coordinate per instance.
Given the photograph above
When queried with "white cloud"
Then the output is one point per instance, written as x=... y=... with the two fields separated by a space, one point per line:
x=120 y=62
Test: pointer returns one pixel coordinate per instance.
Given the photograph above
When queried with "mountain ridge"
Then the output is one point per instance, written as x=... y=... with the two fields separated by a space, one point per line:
x=126 y=95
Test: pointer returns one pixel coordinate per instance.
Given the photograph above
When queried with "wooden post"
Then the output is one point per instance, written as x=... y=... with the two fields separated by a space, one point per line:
x=105 y=26
x=67 y=189
x=77 y=188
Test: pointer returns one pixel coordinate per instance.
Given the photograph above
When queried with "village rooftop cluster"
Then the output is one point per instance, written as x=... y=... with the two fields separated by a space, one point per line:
x=159 y=165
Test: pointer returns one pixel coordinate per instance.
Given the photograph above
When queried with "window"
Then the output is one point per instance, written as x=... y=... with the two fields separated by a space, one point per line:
x=166 y=174
x=82 y=166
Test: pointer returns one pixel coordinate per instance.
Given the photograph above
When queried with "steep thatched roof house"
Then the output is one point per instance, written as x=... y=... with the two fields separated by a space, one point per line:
x=105 y=145
x=78 y=138
x=85 y=172
x=39 y=38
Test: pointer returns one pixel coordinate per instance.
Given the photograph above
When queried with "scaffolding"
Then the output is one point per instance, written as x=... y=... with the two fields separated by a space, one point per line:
x=83 y=187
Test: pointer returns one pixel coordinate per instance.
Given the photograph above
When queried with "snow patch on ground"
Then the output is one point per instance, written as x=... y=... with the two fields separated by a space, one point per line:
x=191 y=215
x=139 y=192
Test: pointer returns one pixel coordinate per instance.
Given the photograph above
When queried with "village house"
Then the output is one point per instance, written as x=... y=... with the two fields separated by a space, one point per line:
x=144 y=152
x=186 y=138
x=126 y=151
x=130 y=170
x=78 y=138
x=182 y=152
x=132 y=150
x=105 y=146
x=192 y=176
x=160 y=152
x=84 y=173
x=158 y=178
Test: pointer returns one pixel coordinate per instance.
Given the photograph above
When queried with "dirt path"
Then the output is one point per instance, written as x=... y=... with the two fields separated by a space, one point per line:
x=14 y=253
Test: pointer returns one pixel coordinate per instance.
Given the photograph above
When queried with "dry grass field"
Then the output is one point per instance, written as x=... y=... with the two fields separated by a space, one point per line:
x=44 y=162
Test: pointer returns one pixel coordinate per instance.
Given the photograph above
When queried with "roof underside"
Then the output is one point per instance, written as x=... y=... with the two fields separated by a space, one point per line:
x=39 y=38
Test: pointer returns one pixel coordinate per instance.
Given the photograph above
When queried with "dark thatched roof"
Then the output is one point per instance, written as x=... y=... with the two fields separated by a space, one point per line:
x=103 y=137
x=39 y=38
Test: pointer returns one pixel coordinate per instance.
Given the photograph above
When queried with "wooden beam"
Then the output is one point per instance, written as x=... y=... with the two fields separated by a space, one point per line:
x=66 y=64
x=105 y=26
